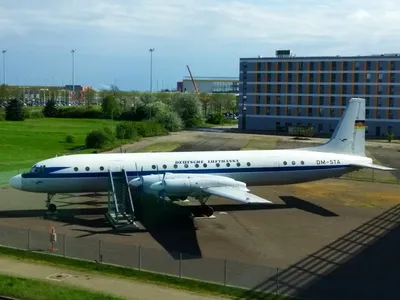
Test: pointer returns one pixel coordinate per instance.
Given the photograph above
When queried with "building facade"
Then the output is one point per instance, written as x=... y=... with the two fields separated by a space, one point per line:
x=212 y=84
x=287 y=91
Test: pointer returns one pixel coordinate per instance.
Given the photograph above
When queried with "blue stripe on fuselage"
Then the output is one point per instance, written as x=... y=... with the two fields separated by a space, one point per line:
x=191 y=171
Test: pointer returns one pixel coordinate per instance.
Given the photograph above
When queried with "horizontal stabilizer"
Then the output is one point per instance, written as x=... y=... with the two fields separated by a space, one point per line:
x=235 y=194
x=372 y=166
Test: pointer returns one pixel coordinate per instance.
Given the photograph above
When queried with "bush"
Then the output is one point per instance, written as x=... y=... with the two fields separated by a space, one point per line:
x=99 y=138
x=70 y=139
x=29 y=114
x=15 y=111
x=79 y=113
x=216 y=119
x=50 y=110
x=390 y=137
x=170 y=120
x=126 y=130
x=149 y=128
x=133 y=114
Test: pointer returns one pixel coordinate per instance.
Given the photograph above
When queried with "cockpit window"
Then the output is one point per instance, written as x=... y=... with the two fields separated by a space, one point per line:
x=36 y=169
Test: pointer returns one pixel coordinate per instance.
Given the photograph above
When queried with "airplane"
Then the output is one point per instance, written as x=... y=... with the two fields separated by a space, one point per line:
x=227 y=174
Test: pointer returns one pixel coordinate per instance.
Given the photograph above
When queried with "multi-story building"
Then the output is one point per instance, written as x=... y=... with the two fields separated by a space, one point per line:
x=286 y=90
x=211 y=84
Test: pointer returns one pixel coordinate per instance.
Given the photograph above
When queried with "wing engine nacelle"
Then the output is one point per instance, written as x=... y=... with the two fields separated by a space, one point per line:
x=193 y=185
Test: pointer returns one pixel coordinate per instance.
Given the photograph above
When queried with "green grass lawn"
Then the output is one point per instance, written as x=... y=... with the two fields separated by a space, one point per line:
x=28 y=289
x=24 y=143
x=191 y=285
x=160 y=147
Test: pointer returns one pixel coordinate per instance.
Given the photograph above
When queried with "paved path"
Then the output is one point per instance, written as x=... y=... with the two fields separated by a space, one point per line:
x=125 y=288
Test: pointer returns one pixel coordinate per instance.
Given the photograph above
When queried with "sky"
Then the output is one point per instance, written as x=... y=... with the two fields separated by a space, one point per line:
x=112 y=38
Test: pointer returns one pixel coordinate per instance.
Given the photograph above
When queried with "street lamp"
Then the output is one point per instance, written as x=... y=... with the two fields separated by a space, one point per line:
x=73 y=73
x=4 y=65
x=151 y=50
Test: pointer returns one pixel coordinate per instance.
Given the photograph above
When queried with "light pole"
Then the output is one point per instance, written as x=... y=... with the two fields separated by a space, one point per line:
x=4 y=66
x=73 y=73
x=151 y=50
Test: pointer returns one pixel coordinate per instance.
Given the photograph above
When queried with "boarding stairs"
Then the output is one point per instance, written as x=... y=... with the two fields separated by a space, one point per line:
x=121 y=211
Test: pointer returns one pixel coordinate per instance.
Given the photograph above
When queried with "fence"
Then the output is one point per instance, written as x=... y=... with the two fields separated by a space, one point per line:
x=373 y=176
x=219 y=271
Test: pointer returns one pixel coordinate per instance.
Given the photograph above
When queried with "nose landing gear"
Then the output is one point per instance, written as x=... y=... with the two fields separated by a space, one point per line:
x=51 y=207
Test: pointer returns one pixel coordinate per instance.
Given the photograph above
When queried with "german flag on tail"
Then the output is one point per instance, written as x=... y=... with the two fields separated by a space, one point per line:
x=359 y=124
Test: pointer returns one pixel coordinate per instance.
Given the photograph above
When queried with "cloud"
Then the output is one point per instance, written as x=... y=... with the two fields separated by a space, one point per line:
x=207 y=21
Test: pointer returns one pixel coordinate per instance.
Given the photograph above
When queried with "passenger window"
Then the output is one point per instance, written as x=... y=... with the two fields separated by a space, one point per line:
x=293 y=162
x=205 y=165
x=186 y=165
x=175 y=166
x=248 y=164
x=302 y=162
x=285 y=163
x=228 y=164
x=101 y=168
x=238 y=164
x=76 y=169
x=217 y=164
x=196 y=165
x=164 y=166
x=153 y=167
x=87 y=168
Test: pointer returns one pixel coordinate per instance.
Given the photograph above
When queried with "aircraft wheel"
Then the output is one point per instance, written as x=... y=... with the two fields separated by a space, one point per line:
x=208 y=211
x=52 y=208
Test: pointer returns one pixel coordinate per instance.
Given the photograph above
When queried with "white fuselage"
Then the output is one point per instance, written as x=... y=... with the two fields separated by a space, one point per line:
x=90 y=172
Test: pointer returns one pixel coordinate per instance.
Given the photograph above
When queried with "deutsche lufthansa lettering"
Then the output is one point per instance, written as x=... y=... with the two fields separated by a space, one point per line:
x=211 y=161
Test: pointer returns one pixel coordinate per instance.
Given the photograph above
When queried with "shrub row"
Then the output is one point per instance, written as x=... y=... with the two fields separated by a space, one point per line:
x=105 y=137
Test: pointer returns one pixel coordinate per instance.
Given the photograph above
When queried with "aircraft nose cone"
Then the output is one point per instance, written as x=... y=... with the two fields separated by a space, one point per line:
x=16 y=182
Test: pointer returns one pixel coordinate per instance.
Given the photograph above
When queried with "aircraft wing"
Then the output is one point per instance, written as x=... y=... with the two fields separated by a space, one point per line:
x=372 y=166
x=235 y=194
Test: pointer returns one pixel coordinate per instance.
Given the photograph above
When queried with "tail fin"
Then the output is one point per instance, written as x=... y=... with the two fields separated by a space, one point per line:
x=349 y=135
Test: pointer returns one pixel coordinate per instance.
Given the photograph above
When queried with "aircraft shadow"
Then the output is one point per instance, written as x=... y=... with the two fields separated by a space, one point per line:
x=171 y=227
x=363 y=264
x=289 y=203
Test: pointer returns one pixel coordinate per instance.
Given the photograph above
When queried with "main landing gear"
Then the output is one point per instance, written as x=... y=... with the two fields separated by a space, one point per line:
x=203 y=210
x=51 y=207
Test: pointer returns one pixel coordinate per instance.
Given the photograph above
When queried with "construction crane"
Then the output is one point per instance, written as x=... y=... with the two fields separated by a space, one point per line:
x=203 y=98
x=194 y=83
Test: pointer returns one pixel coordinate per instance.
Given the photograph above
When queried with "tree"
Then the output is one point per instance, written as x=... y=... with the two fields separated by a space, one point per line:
x=189 y=108
x=390 y=136
x=50 y=110
x=90 y=95
x=217 y=103
x=109 y=106
x=205 y=100
x=15 y=110
x=230 y=103
x=4 y=93
x=168 y=118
